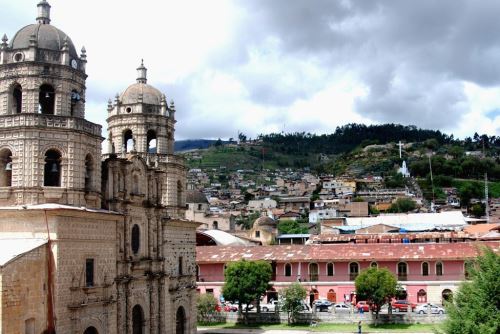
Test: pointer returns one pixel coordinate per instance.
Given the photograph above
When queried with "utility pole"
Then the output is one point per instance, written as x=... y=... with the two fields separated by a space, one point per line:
x=486 y=206
x=432 y=180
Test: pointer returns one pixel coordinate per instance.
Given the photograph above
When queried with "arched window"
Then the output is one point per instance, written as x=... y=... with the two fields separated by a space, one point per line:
x=353 y=270
x=197 y=273
x=179 y=193
x=313 y=272
x=17 y=99
x=128 y=141
x=180 y=321
x=421 y=296
x=137 y=320
x=447 y=296
x=89 y=172
x=52 y=170
x=5 y=168
x=329 y=269
x=135 y=184
x=180 y=267
x=29 y=326
x=75 y=99
x=135 y=239
x=288 y=269
x=46 y=99
x=215 y=225
x=152 y=142
x=425 y=269
x=468 y=268
x=439 y=269
x=91 y=330
x=402 y=271
x=374 y=265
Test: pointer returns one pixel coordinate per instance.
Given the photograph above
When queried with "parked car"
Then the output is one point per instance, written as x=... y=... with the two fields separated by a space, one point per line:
x=432 y=308
x=363 y=305
x=403 y=305
x=230 y=307
x=269 y=307
x=322 y=305
x=341 y=308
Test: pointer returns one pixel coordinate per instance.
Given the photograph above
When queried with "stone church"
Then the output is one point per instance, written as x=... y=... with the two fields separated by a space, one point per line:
x=91 y=242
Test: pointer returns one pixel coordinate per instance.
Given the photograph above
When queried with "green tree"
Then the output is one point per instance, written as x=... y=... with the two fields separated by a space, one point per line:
x=246 y=281
x=206 y=305
x=395 y=180
x=218 y=143
x=291 y=227
x=247 y=222
x=478 y=210
x=476 y=305
x=377 y=286
x=292 y=300
x=403 y=205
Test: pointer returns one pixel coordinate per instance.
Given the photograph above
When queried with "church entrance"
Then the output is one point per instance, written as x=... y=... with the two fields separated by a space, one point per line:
x=137 y=320
x=180 y=321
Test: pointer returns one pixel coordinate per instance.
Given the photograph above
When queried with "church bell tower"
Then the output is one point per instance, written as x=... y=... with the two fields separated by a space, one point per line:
x=49 y=153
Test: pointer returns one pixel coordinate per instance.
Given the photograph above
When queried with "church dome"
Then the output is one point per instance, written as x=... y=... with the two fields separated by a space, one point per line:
x=45 y=35
x=133 y=93
x=264 y=220
x=141 y=92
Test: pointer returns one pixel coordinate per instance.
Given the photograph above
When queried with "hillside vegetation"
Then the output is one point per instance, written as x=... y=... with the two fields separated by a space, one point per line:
x=361 y=150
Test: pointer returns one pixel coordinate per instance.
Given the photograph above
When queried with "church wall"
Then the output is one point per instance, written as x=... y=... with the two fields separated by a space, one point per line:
x=23 y=292
x=82 y=236
x=179 y=242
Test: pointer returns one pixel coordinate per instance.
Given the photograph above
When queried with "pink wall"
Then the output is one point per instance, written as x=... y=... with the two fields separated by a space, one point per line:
x=452 y=271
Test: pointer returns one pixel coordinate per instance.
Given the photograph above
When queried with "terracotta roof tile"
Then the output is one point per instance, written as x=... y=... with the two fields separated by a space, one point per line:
x=343 y=252
x=481 y=228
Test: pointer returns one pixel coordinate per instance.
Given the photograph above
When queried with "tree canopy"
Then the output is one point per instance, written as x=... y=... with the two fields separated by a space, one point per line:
x=376 y=286
x=475 y=308
x=291 y=227
x=292 y=300
x=403 y=205
x=246 y=281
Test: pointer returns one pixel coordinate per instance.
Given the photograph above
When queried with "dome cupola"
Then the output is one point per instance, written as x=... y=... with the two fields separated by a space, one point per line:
x=43 y=42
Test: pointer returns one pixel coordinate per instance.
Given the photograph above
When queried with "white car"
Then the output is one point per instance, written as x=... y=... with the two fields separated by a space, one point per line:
x=341 y=308
x=429 y=308
x=270 y=307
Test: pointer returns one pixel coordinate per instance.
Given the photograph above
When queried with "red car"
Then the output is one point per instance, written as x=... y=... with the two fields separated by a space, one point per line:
x=403 y=305
x=363 y=305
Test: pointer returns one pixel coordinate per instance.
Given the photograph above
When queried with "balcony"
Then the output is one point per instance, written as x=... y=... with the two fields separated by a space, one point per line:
x=352 y=276
x=402 y=277
x=313 y=277
x=49 y=121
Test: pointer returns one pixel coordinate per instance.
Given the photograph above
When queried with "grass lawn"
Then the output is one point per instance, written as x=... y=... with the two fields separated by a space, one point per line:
x=333 y=328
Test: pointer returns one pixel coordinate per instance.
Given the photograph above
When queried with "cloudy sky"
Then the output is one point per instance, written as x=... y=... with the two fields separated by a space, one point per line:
x=260 y=66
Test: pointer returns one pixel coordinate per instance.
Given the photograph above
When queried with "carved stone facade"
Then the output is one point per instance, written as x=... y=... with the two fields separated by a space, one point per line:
x=99 y=241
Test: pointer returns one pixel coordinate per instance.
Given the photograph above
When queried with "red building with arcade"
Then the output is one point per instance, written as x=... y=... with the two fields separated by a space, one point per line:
x=428 y=272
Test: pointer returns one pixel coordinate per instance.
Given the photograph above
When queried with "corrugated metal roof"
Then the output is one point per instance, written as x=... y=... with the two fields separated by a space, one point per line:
x=454 y=218
x=222 y=238
x=283 y=236
x=343 y=252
